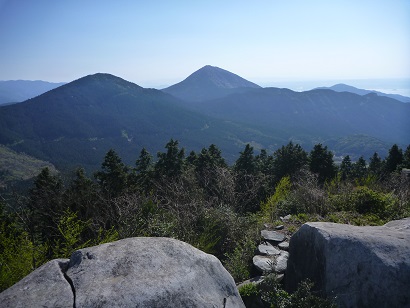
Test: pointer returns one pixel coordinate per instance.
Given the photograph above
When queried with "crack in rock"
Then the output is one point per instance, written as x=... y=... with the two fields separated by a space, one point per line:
x=64 y=267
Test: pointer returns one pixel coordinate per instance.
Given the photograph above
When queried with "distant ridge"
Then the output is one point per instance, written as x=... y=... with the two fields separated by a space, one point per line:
x=77 y=123
x=341 y=87
x=14 y=91
x=209 y=82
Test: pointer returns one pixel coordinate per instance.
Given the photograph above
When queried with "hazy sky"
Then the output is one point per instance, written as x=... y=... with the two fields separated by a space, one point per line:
x=154 y=43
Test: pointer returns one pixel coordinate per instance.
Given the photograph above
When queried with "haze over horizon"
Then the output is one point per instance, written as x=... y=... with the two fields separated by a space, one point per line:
x=158 y=44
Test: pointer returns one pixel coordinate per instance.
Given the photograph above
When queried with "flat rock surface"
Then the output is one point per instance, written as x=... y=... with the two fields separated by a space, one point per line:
x=268 y=250
x=264 y=264
x=273 y=236
x=45 y=287
x=362 y=266
x=284 y=245
x=281 y=262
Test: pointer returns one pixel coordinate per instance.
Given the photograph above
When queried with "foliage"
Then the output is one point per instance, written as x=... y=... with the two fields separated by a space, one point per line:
x=282 y=190
x=198 y=199
x=239 y=261
x=70 y=229
x=272 y=293
x=321 y=163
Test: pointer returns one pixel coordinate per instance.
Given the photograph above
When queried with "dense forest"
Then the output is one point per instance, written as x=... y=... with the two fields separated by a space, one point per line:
x=198 y=198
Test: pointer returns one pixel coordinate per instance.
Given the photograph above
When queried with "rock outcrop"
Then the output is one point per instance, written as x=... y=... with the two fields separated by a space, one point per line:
x=360 y=266
x=134 y=272
x=45 y=287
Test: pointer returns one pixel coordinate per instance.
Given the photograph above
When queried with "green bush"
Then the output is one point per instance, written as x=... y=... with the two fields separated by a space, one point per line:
x=239 y=262
x=248 y=290
x=18 y=255
x=272 y=293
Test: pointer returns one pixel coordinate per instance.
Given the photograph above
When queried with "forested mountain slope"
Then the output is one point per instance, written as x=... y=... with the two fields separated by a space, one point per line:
x=76 y=124
x=314 y=115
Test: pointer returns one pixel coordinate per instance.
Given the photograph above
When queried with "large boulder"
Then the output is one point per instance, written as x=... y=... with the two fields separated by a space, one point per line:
x=142 y=272
x=360 y=266
x=45 y=287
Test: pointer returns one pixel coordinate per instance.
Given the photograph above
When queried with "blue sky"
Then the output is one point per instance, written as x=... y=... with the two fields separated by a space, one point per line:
x=155 y=43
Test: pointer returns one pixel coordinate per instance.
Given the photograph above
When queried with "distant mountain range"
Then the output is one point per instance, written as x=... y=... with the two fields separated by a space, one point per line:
x=77 y=123
x=346 y=88
x=14 y=91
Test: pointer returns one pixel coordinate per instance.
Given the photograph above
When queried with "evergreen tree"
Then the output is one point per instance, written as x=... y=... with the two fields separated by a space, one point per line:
x=346 y=168
x=45 y=207
x=406 y=158
x=394 y=159
x=288 y=160
x=171 y=163
x=375 y=165
x=113 y=176
x=207 y=165
x=246 y=163
x=192 y=158
x=82 y=196
x=321 y=163
x=359 y=169
x=142 y=173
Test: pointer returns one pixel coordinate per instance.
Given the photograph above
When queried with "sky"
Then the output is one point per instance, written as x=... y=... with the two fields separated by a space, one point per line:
x=158 y=43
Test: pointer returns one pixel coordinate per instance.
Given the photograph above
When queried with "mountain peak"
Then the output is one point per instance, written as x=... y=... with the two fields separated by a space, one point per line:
x=207 y=83
x=220 y=78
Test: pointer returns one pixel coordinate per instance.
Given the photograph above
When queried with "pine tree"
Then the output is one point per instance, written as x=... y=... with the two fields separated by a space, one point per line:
x=375 y=165
x=321 y=163
x=394 y=159
x=113 y=176
x=359 y=169
x=288 y=160
x=345 y=168
x=171 y=163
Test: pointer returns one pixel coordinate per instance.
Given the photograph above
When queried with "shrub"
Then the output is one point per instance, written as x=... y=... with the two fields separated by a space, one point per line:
x=239 y=262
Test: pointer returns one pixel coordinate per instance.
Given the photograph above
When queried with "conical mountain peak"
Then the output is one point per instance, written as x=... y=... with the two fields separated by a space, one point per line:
x=207 y=83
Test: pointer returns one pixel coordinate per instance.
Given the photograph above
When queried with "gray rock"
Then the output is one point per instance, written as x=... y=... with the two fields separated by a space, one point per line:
x=268 y=250
x=264 y=264
x=258 y=279
x=281 y=262
x=254 y=280
x=273 y=236
x=280 y=227
x=286 y=218
x=284 y=245
x=45 y=287
x=150 y=272
x=134 y=272
x=361 y=266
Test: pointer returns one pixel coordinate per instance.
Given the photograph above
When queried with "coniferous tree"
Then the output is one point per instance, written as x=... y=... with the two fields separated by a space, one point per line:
x=406 y=158
x=375 y=165
x=345 y=168
x=171 y=163
x=321 y=163
x=288 y=160
x=113 y=176
x=142 y=173
x=82 y=196
x=394 y=159
x=359 y=169
x=45 y=207
x=207 y=166
x=246 y=164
